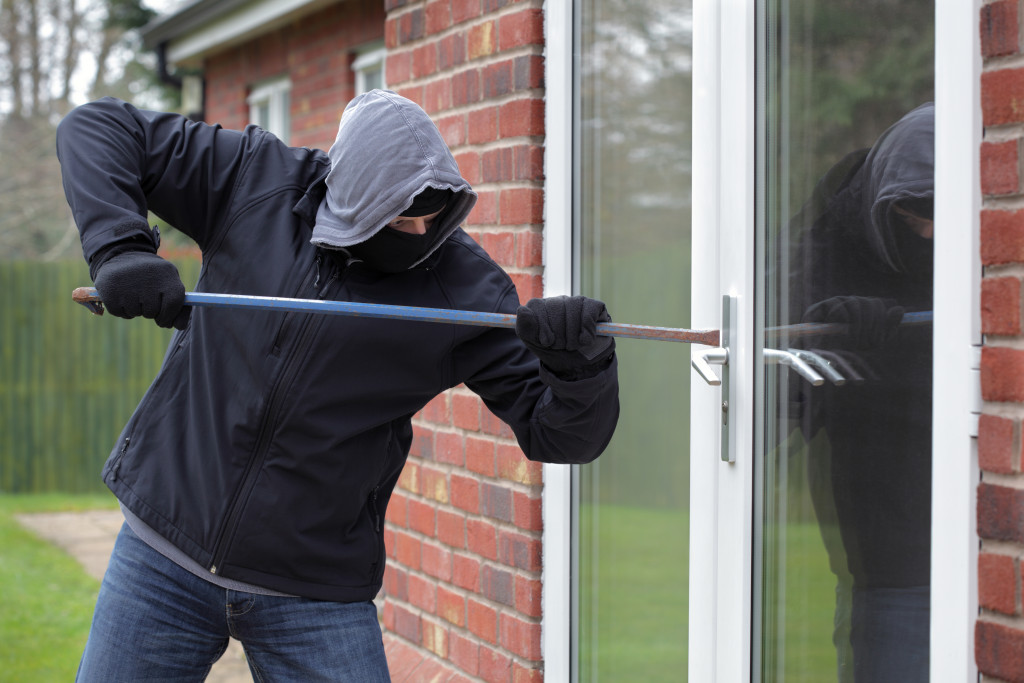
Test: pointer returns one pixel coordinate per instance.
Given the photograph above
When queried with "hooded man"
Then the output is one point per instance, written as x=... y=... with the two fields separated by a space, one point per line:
x=255 y=473
x=864 y=259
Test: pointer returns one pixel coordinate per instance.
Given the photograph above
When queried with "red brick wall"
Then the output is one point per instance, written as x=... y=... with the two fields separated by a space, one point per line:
x=463 y=589
x=999 y=631
x=315 y=52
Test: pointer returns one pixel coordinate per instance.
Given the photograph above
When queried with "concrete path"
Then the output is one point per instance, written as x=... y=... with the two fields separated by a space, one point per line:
x=89 y=538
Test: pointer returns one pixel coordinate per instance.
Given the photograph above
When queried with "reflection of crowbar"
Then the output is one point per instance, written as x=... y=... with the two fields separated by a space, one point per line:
x=88 y=297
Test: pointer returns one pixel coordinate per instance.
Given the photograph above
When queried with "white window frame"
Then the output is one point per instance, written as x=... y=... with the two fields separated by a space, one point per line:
x=369 y=58
x=275 y=95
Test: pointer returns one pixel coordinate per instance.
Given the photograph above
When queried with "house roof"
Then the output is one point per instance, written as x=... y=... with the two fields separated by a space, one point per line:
x=201 y=27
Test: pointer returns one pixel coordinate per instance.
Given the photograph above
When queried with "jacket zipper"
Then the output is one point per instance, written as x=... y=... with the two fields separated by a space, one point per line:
x=263 y=439
x=115 y=468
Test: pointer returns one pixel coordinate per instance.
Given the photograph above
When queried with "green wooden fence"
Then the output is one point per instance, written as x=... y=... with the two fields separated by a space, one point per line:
x=69 y=380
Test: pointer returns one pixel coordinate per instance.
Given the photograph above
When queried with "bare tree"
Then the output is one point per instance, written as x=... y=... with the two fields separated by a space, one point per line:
x=55 y=54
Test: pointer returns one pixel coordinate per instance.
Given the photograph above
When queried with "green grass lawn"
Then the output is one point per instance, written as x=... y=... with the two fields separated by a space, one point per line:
x=48 y=599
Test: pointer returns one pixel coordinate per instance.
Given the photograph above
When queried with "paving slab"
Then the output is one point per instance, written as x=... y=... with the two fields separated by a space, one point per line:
x=89 y=538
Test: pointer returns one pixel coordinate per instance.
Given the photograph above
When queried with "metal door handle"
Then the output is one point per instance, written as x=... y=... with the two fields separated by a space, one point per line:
x=788 y=358
x=703 y=361
x=822 y=364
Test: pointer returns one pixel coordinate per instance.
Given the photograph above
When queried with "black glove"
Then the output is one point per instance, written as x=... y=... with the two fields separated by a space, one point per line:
x=138 y=282
x=872 y=322
x=562 y=332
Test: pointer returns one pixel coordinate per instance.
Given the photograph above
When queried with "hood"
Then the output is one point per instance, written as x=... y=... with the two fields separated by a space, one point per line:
x=899 y=167
x=387 y=151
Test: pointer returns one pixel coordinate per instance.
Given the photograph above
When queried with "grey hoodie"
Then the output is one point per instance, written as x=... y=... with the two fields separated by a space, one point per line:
x=387 y=151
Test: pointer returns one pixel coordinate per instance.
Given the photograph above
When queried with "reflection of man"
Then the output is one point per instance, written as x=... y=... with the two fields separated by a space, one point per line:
x=864 y=262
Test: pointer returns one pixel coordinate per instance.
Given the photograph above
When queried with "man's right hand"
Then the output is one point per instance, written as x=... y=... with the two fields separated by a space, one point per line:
x=134 y=283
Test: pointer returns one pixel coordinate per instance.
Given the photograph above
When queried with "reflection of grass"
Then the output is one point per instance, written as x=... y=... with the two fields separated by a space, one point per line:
x=48 y=598
x=633 y=598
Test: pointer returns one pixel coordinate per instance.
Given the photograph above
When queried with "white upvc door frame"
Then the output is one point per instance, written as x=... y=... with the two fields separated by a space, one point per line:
x=721 y=501
x=721 y=533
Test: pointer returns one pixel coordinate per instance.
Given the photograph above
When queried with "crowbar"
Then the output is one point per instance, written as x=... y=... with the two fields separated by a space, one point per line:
x=88 y=297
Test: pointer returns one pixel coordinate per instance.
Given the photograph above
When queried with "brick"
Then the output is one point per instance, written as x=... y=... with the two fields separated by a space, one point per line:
x=999 y=28
x=998 y=444
x=466 y=572
x=437 y=561
x=529 y=249
x=1000 y=306
x=494 y=426
x=422 y=445
x=518 y=206
x=437 y=410
x=521 y=28
x=482 y=538
x=435 y=639
x=513 y=465
x=480 y=456
x=500 y=246
x=497 y=164
x=498 y=79
x=1002 y=96
x=451 y=606
x=411 y=26
x=434 y=484
x=999 y=651
x=397 y=512
x=449 y=449
x=482 y=620
x=527 y=72
x=519 y=550
x=451 y=52
x=407 y=624
x=998 y=583
x=520 y=637
x=526 y=674
x=464 y=653
x=495 y=667
x=466 y=412
x=451 y=528
x=498 y=585
x=529 y=163
x=1000 y=168
x=1000 y=513
x=483 y=127
x=438 y=16
x=407 y=550
x=496 y=501
x=481 y=40
x=437 y=96
x=421 y=517
x=522 y=117
x=469 y=165
x=422 y=593
x=399 y=66
x=1002 y=374
x=527 y=511
x=528 y=285
x=464 y=10
x=466 y=493
x=528 y=596
x=396 y=583
x=453 y=130
x=486 y=210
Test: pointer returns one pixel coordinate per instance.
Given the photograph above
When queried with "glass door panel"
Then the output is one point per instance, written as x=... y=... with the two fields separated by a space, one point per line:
x=846 y=148
x=632 y=236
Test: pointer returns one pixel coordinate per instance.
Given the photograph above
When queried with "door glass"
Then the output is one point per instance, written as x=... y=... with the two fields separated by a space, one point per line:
x=632 y=215
x=845 y=250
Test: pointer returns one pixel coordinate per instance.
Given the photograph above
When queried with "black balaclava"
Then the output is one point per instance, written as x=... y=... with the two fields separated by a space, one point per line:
x=392 y=251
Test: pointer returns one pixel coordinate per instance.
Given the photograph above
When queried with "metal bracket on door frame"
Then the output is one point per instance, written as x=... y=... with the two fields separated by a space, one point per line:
x=703 y=361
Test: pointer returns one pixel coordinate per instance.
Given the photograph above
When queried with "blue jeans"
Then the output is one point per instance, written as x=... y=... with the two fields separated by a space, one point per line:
x=890 y=634
x=154 y=621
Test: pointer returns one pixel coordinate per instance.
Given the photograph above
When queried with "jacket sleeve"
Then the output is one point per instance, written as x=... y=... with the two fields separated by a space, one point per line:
x=553 y=420
x=119 y=162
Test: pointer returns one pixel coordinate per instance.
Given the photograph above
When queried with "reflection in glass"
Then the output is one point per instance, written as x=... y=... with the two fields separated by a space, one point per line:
x=847 y=253
x=632 y=209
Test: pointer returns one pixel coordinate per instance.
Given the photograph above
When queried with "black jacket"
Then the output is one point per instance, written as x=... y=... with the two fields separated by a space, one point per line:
x=269 y=444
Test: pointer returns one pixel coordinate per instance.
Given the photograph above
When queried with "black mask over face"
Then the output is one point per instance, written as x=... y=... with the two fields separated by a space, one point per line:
x=392 y=251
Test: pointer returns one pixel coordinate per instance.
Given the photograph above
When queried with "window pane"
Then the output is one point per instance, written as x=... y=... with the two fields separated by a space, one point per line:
x=846 y=252
x=633 y=239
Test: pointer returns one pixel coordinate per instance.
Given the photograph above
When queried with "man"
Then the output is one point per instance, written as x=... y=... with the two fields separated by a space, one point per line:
x=255 y=473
